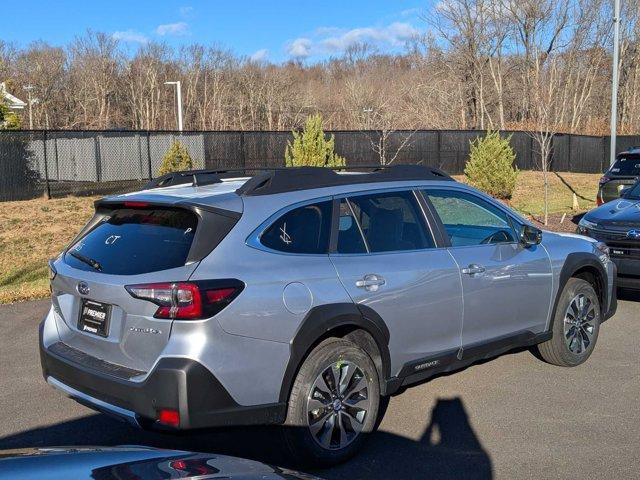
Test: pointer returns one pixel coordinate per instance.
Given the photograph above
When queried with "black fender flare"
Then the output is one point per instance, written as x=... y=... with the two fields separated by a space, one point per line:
x=573 y=263
x=325 y=318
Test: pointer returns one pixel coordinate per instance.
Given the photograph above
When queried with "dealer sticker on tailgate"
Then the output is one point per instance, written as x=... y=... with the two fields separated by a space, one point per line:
x=94 y=318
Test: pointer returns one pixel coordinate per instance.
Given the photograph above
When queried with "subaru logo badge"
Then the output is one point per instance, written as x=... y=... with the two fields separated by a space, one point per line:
x=634 y=234
x=83 y=288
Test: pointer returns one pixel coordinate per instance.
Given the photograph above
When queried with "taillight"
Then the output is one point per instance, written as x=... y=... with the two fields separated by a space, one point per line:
x=170 y=417
x=193 y=467
x=188 y=300
x=134 y=204
x=604 y=179
x=599 y=200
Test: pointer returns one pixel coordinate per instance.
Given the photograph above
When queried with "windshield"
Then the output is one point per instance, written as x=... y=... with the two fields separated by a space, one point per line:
x=626 y=165
x=634 y=192
x=136 y=241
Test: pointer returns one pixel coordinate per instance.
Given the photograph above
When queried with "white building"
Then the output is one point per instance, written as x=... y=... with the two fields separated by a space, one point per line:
x=14 y=103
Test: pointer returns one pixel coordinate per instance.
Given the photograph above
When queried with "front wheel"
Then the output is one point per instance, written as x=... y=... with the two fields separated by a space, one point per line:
x=575 y=326
x=333 y=404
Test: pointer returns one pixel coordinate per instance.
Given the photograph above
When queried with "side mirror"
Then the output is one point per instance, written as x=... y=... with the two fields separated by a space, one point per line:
x=530 y=235
x=624 y=192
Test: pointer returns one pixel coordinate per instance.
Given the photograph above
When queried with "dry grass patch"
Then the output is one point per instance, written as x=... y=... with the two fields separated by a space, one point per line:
x=32 y=232
x=528 y=197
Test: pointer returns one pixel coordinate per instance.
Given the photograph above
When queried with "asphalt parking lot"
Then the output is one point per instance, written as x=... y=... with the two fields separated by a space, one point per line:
x=513 y=417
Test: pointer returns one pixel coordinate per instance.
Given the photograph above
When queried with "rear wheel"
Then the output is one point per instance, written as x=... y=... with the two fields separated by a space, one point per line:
x=333 y=404
x=575 y=326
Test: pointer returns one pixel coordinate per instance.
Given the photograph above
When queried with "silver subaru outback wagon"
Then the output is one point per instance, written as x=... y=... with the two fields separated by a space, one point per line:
x=307 y=297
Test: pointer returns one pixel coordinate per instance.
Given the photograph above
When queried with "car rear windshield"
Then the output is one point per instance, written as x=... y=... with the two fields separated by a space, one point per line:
x=626 y=165
x=136 y=241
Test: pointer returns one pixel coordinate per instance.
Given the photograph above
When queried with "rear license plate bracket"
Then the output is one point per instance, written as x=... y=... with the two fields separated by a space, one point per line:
x=94 y=318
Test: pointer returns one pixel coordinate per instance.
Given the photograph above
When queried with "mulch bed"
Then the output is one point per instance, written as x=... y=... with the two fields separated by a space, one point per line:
x=558 y=222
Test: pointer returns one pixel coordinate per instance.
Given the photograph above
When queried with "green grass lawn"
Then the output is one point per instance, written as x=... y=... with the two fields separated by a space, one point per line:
x=33 y=231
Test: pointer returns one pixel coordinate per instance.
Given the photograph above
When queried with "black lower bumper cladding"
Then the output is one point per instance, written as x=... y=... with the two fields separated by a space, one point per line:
x=175 y=383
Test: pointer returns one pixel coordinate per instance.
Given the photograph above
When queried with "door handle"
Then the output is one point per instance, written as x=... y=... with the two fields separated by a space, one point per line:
x=370 y=282
x=473 y=269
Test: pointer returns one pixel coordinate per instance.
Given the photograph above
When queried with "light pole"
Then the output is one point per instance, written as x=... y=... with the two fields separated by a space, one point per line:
x=28 y=88
x=368 y=111
x=614 y=79
x=179 y=96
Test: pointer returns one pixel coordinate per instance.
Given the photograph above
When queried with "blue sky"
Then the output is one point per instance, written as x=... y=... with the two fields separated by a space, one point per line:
x=271 y=30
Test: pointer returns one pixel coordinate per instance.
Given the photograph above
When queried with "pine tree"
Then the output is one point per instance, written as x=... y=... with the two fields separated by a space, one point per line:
x=176 y=159
x=310 y=147
x=490 y=167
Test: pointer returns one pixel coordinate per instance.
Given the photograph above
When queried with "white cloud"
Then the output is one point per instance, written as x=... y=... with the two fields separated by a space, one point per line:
x=411 y=12
x=260 y=56
x=299 y=48
x=332 y=40
x=130 y=36
x=178 y=28
x=394 y=35
x=186 y=12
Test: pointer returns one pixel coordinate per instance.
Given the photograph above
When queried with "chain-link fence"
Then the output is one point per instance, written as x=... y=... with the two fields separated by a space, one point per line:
x=60 y=163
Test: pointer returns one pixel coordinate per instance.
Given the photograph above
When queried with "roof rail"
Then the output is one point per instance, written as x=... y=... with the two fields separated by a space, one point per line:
x=194 y=177
x=201 y=177
x=302 y=178
x=272 y=180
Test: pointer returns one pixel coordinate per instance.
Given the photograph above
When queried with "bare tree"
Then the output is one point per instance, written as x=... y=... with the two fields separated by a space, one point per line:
x=476 y=67
x=545 y=114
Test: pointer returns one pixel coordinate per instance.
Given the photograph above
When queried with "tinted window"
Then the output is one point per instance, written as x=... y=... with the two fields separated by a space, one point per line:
x=390 y=222
x=470 y=220
x=349 y=236
x=626 y=165
x=302 y=230
x=131 y=242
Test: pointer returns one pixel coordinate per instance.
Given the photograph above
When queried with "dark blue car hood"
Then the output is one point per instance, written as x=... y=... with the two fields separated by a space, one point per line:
x=617 y=213
x=131 y=463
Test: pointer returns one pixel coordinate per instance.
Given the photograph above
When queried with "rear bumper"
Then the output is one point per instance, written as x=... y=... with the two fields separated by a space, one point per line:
x=175 y=383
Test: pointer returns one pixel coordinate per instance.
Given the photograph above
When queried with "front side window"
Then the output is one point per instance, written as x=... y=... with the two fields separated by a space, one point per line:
x=302 y=230
x=470 y=220
x=389 y=222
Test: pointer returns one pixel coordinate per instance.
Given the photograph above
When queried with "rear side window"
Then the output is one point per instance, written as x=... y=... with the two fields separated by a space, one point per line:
x=389 y=222
x=302 y=230
x=350 y=239
x=626 y=165
x=136 y=241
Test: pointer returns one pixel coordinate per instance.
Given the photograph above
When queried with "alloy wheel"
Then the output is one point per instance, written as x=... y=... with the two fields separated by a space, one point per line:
x=579 y=323
x=338 y=405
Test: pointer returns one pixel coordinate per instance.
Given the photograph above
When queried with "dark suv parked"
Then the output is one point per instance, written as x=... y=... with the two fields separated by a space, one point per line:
x=617 y=224
x=624 y=173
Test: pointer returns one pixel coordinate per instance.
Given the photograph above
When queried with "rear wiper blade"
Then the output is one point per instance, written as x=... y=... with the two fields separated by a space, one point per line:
x=89 y=261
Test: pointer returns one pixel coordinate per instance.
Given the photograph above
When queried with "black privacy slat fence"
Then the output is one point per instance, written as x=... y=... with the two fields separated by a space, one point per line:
x=59 y=163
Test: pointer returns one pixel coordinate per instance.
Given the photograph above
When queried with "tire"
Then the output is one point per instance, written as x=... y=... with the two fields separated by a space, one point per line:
x=572 y=343
x=312 y=406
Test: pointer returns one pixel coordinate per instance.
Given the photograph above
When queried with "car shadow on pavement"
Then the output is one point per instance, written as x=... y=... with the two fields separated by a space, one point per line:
x=448 y=448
